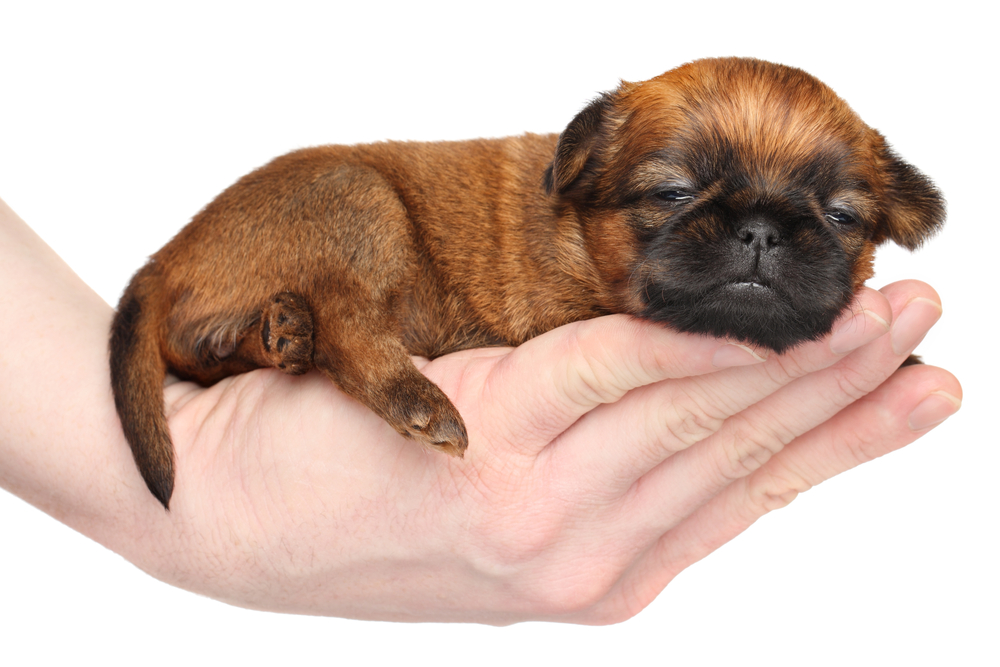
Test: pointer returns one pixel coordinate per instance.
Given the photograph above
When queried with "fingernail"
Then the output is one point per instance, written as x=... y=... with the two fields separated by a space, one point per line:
x=734 y=354
x=863 y=328
x=933 y=410
x=911 y=325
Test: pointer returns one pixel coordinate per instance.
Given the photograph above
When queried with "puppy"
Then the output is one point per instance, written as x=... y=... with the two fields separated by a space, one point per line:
x=730 y=197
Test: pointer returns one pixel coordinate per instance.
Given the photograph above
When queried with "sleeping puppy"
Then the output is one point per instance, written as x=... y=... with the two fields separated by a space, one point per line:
x=730 y=197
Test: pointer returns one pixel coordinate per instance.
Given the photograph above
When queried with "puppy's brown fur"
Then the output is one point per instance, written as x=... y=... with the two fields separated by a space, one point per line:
x=732 y=197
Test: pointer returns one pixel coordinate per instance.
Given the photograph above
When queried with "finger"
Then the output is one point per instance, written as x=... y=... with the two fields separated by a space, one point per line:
x=748 y=440
x=911 y=299
x=654 y=422
x=545 y=385
x=912 y=402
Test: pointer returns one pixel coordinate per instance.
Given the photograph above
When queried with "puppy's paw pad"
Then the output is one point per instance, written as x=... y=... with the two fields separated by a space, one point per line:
x=286 y=333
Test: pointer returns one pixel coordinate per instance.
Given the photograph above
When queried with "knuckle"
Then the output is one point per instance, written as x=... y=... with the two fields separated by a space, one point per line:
x=769 y=490
x=589 y=380
x=868 y=444
x=563 y=595
x=853 y=384
x=689 y=424
x=747 y=450
x=585 y=584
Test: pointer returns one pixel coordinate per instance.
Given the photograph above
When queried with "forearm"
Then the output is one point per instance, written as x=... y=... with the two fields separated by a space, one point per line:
x=61 y=448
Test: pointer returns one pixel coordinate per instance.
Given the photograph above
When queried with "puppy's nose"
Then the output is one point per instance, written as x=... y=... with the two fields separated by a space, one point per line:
x=759 y=232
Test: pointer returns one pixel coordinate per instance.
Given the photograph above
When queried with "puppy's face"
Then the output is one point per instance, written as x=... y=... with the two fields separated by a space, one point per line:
x=736 y=198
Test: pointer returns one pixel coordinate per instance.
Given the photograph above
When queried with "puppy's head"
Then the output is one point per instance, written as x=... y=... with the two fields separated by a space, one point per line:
x=737 y=198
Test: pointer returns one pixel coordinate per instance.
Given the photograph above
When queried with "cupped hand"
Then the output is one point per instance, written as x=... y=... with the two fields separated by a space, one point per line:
x=605 y=457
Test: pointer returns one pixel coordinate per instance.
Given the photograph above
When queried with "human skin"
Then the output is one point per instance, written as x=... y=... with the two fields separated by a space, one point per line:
x=605 y=457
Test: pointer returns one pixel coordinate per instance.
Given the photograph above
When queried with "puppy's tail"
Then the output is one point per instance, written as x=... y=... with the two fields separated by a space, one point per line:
x=137 y=374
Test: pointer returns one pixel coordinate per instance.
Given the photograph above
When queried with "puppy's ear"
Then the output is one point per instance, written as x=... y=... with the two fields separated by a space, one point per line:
x=576 y=145
x=912 y=207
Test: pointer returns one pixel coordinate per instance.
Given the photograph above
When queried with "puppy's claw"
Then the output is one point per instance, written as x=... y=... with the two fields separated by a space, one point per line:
x=443 y=432
x=458 y=451
x=456 y=441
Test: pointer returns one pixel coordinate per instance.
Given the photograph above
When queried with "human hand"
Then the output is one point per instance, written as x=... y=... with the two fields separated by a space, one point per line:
x=605 y=457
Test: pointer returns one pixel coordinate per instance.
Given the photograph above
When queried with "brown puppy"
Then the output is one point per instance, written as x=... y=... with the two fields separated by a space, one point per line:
x=731 y=197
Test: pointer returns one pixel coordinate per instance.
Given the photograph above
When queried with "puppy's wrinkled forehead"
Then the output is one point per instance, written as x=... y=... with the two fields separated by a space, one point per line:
x=743 y=119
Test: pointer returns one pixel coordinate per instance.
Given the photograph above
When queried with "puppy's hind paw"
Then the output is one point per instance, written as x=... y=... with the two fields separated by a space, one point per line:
x=286 y=333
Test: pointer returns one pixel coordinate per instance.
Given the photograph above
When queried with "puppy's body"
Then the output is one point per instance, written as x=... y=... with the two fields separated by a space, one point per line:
x=730 y=197
x=469 y=251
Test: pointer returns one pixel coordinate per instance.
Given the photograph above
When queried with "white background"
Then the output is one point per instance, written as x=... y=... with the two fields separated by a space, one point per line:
x=118 y=121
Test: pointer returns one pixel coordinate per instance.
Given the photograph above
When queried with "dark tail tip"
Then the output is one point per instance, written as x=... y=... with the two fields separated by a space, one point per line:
x=162 y=489
x=137 y=373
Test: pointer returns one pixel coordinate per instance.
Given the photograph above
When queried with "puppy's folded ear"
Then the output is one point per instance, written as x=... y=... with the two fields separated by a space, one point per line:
x=912 y=207
x=577 y=145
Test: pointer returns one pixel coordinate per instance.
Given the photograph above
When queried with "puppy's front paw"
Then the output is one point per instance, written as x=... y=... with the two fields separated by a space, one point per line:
x=286 y=332
x=421 y=411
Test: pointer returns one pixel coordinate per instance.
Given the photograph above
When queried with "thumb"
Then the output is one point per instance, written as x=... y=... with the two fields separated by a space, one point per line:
x=541 y=388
